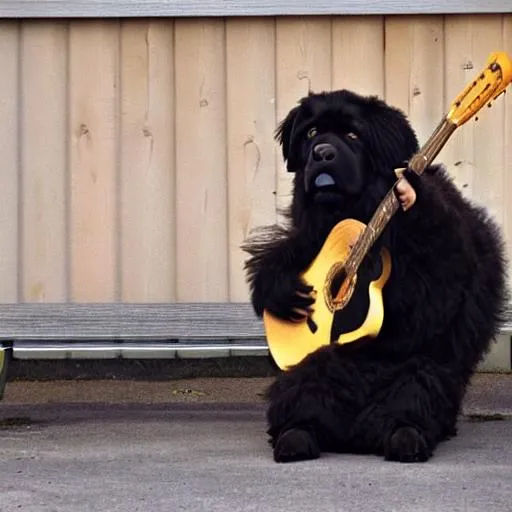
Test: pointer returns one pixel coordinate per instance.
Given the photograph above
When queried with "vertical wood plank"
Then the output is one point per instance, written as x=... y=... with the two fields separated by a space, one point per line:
x=250 y=78
x=507 y=143
x=414 y=70
x=459 y=70
x=474 y=154
x=9 y=97
x=147 y=161
x=201 y=187
x=43 y=157
x=358 y=54
x=303 y=64
x=94 y=49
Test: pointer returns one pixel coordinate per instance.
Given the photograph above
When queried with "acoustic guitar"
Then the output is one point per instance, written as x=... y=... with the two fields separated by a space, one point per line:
x=349 y=304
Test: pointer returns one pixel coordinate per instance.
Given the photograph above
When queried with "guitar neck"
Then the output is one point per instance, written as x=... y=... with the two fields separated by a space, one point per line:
x=390 y=204
x=387 y=208
x=425 y=156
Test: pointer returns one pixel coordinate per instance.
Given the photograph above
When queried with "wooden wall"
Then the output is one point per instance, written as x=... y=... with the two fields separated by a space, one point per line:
x=136 y=155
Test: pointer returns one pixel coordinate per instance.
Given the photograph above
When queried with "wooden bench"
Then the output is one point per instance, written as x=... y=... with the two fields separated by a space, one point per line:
x=121 y=330
x=176 y=330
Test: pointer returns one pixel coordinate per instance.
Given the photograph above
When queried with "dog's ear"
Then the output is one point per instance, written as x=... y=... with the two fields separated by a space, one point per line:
x=284 y=133
x=390 y=137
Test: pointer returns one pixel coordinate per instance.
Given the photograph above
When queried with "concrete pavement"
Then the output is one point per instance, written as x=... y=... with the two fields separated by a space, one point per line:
x=198 y=450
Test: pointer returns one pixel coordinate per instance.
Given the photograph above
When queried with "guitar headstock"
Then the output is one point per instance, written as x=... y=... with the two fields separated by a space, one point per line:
x=487 y=86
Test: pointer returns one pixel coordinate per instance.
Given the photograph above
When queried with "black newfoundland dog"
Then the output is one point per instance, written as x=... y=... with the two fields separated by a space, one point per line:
x=397 y=395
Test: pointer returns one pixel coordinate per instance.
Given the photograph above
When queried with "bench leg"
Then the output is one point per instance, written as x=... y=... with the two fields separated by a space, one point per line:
x=5 y=355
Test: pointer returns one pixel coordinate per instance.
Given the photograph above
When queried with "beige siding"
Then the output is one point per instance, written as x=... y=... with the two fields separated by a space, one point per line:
x=44 y=256
x=250 y=116
x=201 y=162
x=138 y=154
x=475 y=153
x=358 y=54
x=414 y=70
x=94 y=159
x=147 y=167
x=9 y=161
x=507 y=144
x=303 y=63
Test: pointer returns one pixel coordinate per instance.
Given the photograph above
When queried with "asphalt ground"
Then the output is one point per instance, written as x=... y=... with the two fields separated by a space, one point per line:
x=200 y=444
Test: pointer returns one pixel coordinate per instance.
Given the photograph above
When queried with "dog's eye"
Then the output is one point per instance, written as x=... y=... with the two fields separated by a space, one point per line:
x=352 y=135
x=312 y=132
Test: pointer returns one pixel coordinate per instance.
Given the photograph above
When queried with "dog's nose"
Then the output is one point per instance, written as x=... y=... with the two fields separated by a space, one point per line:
x=324 y=152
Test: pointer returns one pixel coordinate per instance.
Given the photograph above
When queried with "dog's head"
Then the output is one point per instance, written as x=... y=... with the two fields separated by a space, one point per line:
x=340 y=144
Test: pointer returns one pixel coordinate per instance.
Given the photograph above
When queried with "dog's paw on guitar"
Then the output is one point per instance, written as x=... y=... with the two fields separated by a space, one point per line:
x=407 y=444
x=291 y=299
x=294 y=445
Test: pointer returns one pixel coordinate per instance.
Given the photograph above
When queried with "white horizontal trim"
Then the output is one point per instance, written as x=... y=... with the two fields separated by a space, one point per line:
x=178 y=8
x=135 y=350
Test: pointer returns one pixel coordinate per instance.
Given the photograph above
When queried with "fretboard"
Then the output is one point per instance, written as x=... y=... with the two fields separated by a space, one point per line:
x=387 y=208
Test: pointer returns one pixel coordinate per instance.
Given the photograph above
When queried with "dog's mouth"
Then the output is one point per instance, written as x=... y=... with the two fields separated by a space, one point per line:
x=324 y=180
x=324 y=188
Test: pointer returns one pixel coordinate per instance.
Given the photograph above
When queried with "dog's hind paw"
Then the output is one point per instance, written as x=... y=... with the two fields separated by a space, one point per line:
x=295 y=445
x=407 y=444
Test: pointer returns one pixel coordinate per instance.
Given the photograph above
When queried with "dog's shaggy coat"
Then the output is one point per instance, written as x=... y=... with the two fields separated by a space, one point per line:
x=398 y=395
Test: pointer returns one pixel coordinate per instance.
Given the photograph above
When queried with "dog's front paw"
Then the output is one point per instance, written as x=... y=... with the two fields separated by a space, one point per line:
x=294 y=445
x=291 y=299
x=407 y=444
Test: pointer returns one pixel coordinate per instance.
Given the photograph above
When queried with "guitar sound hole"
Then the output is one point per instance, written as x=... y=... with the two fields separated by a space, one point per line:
x=337 y=282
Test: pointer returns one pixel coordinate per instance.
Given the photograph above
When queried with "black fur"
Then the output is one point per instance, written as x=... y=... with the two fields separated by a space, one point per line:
x=399 y=394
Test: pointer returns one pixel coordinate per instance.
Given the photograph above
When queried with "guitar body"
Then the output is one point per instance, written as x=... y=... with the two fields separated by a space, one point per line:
x=354 y=312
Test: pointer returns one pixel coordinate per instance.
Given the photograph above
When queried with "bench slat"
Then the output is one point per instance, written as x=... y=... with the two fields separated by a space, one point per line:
x=152 y=321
